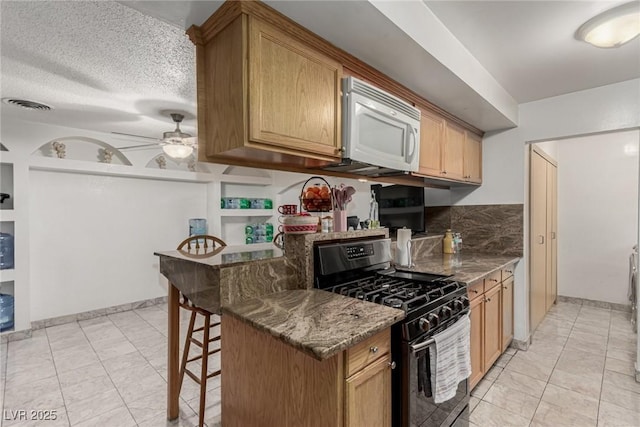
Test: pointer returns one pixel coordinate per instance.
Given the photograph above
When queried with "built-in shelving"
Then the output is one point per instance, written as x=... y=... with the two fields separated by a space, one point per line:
x=246 y=212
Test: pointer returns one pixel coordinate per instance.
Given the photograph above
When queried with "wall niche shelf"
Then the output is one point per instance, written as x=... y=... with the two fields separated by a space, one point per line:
x=246 y=212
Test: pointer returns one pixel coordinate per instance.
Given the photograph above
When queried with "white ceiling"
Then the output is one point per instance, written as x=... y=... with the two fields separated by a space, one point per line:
x=529 y=46
x=118 y=66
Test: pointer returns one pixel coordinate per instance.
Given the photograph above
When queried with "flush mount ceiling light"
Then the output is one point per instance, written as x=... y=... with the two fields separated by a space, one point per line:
x=612 y=28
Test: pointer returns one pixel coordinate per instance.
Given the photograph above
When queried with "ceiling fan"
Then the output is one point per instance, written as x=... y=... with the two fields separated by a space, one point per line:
x=175 y=144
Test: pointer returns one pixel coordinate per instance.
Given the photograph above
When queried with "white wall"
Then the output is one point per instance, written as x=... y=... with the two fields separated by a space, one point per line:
x=597 y=215
x=505 y=156
x=93 y=238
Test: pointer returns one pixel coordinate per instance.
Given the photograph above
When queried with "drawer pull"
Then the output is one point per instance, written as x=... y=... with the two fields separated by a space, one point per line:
x=509 y=271
x=475 y=291
x=373 y=350
x=493 y=280
x=487 y=300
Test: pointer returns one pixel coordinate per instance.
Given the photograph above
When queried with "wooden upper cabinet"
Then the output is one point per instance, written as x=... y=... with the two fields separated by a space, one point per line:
x=473 y=158
x=264 y=97
x=431 y=142
x=453 y=152
x=294 y=93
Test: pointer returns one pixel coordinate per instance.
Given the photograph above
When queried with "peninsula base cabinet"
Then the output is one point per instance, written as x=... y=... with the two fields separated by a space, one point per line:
x=268 y=382
x=491 y=315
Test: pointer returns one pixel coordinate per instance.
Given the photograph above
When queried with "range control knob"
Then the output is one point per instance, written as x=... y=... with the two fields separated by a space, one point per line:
x=446 y=312
x=433 y=319
x=458 y=306
x=465 y=301
x=424 y=324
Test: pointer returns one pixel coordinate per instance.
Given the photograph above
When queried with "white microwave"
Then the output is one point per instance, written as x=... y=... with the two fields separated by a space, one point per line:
x=380 y=133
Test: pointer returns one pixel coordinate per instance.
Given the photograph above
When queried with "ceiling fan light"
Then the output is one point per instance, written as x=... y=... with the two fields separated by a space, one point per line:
x=177 y=151
x=612 y=28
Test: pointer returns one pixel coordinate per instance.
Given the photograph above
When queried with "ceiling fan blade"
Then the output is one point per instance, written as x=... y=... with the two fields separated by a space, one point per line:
x=130 y=147
x=191 y=140
x=135 y=136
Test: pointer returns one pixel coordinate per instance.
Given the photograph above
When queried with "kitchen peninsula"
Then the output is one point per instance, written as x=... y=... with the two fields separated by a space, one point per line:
x=295 y=355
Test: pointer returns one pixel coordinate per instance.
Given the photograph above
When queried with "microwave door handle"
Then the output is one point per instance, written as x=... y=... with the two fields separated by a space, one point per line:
x=412 y=144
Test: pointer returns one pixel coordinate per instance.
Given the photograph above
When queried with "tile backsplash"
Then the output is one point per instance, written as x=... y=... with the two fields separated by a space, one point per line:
x=495 y=229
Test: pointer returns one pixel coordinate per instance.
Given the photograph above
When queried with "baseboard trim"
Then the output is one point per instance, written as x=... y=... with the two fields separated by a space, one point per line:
x=594 y=303
x=85 y=315
x=521 y=345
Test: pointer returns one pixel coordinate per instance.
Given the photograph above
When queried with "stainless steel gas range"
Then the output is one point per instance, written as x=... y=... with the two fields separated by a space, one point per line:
x=362 y=269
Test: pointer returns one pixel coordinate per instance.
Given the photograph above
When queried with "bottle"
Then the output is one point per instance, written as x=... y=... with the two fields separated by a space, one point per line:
x=457 y=238
x=448 y=243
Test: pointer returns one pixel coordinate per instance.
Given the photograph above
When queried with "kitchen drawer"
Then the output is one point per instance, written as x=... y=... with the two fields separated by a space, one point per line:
x=508 y=271
x=492 y=280
x=475 y=289
x=368 y=351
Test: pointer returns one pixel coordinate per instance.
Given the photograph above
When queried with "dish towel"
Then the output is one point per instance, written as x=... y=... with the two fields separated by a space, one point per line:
x=450 y=359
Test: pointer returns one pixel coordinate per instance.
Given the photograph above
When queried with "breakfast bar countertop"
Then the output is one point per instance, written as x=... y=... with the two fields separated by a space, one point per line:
x=316 y=322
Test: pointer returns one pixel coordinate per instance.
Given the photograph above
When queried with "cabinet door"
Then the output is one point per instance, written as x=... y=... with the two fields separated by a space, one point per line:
x=492 y=326
x=477 y=341
x=431 y=139
x=473 y=158
x=507 y=313
x=294 y=93
x=368 y=396
x=552 y=246
x=538 y=239
x=453 y=152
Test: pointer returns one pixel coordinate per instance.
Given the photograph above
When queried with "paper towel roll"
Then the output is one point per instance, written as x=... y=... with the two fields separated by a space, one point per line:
x=403 y=246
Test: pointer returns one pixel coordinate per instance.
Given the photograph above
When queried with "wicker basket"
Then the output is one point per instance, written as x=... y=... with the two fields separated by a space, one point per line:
x=322 y=201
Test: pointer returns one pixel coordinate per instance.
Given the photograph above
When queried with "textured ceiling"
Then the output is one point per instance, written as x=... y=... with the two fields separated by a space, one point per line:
x=119 y=66
x=101 y=65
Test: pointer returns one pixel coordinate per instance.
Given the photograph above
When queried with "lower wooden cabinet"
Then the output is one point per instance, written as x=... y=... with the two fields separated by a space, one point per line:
x=492 y=325
x=477 y=339
x=270 y=383
x=368 y=395
x=507 y=312
x=491 y=315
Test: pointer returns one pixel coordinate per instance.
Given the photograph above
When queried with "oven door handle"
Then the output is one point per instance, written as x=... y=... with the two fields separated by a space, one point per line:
x=416 y=348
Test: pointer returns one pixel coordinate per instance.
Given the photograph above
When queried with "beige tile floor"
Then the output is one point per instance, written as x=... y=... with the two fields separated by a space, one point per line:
x=577 y=372
x=111 y=372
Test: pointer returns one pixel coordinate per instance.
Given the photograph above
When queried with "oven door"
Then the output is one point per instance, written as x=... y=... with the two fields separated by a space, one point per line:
x=420 y=410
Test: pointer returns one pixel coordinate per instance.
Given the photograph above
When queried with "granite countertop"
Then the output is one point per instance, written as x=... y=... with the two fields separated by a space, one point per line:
x=227 y=255
x=317 y=322
x=466 y=267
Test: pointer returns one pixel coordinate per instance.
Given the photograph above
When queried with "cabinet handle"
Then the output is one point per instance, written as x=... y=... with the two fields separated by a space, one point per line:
x=504 y=287
x=493 y=280
x=444 y=172
x=475 y=291
x=392 y=364
x=487 y=300
x=509 y=271
x=373 y=350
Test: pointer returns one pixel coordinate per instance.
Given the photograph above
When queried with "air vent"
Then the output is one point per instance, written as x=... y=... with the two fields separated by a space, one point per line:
x=24 y=103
